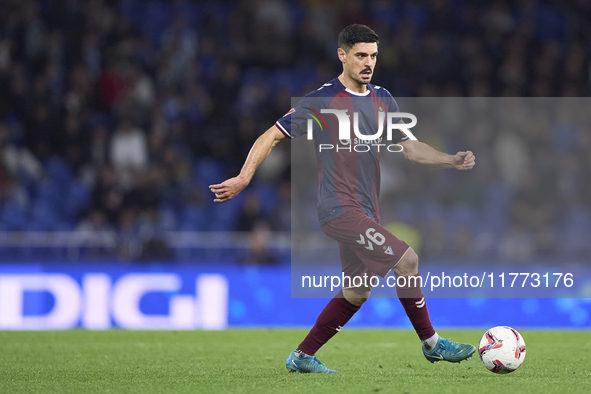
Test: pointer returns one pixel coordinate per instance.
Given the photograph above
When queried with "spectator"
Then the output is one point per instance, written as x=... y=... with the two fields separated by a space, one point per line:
x=184 y=89
x=129 y=242
x=128 y=151
x=108 y=194
x=251 y=213
x=95 y=233
x=259 y=253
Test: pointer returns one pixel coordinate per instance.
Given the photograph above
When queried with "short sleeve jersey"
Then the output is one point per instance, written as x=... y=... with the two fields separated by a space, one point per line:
x=348 y=174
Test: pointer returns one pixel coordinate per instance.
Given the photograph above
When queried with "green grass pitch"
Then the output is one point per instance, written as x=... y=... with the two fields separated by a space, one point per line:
x=252 y=361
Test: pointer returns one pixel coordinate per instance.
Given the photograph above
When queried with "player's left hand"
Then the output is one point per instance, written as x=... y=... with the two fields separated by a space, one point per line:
x=464 y=161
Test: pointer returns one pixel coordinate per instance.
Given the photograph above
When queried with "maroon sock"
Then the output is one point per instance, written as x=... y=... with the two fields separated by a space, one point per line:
x=412 y=299
x=332 y=318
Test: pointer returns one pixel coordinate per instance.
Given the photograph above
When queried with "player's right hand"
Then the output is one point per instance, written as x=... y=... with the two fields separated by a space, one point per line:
x=228 y=189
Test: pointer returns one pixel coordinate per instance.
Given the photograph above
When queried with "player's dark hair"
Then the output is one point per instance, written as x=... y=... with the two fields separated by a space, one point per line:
x=353 y=34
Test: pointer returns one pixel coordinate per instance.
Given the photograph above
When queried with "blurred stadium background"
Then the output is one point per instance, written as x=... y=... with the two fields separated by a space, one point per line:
x=116 y=115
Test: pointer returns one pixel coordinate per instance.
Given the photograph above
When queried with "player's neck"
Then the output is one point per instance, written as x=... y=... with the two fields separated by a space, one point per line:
x=352 y=85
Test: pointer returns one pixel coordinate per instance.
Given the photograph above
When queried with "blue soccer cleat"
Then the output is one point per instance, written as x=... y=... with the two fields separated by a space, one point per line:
x=446 y=350
x=308 y=364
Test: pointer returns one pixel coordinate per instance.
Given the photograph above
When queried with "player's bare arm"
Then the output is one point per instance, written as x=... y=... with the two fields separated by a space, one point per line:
x=230 y=188
x=421 y=153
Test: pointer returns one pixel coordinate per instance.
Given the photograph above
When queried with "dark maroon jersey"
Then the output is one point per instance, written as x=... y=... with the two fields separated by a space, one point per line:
x=349 y=172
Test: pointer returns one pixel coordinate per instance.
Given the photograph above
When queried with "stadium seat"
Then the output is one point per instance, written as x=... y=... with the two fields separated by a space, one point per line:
x=208 y=172
x=44 y=217
x=267 y=195
x=59 y=171
x=78 y=199
x=226 y=215
x=51 y=192
x=196 y=218
x=13 y=217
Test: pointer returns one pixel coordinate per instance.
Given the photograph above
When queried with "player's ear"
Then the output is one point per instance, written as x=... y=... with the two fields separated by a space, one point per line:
x=342 y=54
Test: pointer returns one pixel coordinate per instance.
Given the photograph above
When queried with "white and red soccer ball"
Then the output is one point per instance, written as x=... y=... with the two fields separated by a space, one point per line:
x=501 y=349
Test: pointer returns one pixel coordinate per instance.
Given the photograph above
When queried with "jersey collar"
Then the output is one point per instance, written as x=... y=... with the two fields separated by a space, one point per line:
x=358 y=94
x=352 y=92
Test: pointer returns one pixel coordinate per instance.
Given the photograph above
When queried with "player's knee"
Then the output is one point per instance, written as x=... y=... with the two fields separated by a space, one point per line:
x=408 y=265
x=356 y=297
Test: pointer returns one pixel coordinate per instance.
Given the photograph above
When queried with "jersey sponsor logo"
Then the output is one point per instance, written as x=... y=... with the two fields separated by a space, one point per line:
x=389 y=250
x=315 y=116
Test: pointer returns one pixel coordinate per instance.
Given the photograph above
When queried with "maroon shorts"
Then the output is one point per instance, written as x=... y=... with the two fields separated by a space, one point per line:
x=365 y=246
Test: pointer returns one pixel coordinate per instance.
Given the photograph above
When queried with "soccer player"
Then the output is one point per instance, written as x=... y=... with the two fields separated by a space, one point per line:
x=347 y=200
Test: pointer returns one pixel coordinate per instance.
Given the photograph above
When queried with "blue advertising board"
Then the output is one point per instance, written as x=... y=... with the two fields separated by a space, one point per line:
x=62 y=296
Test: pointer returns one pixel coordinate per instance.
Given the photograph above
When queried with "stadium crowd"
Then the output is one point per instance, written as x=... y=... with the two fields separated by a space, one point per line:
x=115 y=116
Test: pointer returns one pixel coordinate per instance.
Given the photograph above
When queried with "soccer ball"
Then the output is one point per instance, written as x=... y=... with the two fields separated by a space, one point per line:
x=501 y=349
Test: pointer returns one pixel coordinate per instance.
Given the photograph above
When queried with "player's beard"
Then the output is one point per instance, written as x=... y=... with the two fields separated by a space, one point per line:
x=357 y=77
